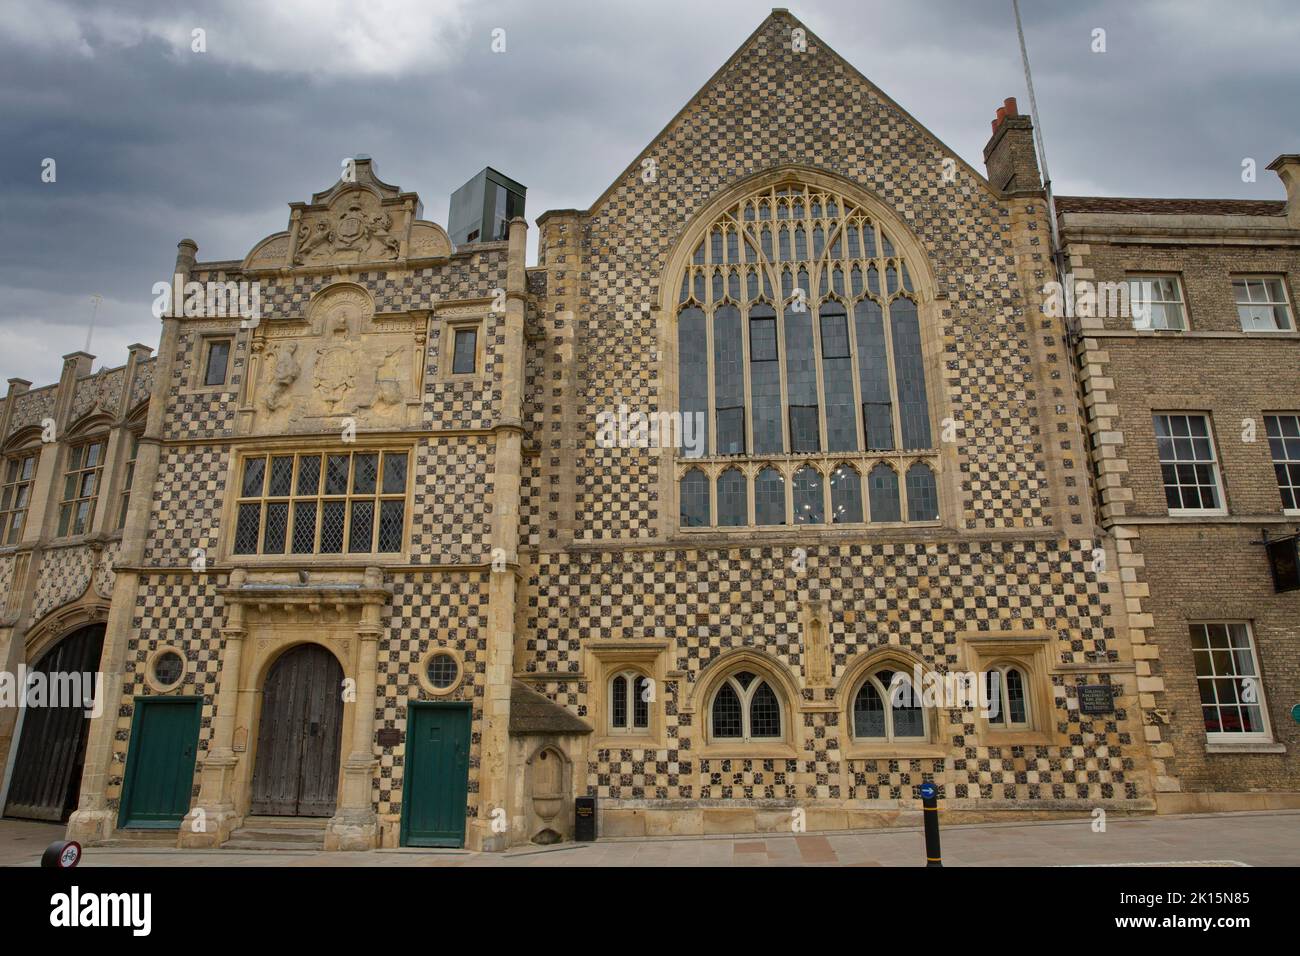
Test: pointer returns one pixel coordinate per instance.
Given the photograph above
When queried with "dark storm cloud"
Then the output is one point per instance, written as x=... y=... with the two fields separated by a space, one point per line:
x=155 y=142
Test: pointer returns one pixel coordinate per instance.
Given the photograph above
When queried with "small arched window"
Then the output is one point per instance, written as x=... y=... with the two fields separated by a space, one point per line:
x=630 y=698
x=745 y=707
x=922 y=498
x=882 y=485
x=695 y=499
x=846 y=495
x=1008 y=704
x=887 y=707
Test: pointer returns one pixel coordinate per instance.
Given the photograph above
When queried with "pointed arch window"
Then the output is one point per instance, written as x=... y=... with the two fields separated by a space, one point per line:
x=745 y=707
x=887 y=707
x=799 y=334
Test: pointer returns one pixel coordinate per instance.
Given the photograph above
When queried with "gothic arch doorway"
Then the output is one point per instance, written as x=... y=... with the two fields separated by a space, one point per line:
x=299 y=735
x=46 y=778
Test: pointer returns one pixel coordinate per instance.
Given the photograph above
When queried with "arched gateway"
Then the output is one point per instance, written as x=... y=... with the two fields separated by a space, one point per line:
x=299 y=735
x=46 y=775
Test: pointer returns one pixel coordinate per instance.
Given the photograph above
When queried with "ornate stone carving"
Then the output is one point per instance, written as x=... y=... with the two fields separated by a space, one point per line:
x=341 y=363
x=356 y=228
x=284 y=372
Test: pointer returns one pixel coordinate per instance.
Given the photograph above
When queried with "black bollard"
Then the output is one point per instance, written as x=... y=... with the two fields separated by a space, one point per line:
x=930 y=801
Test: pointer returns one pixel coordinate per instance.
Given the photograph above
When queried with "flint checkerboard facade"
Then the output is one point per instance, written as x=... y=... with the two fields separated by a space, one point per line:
x=538 y=559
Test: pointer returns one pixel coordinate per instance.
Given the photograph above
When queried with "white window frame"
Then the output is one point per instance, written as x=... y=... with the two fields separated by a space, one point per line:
x=745 y=696
x=1265 y=734
x=1285 y=302
x=630 y=729
x=1148 y=280
x=1222 y=508
x=1003 y=721
x=1283 y=461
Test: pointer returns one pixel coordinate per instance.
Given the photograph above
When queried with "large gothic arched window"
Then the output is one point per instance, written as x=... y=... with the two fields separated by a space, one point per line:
x=799 y=345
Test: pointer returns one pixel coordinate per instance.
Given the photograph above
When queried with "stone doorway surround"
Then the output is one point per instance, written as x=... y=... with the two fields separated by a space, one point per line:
x=265 y=617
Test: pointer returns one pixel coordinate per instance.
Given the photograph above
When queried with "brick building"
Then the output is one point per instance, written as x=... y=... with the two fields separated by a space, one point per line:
x=425 y=477
x=1193 y=416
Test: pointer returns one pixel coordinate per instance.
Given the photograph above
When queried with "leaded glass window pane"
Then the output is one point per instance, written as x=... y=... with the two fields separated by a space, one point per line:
x=394 y=473
x=331 y=527
x=254 y=471
x=733 y=499
x=336 y=474
x=618 y=702
x=277 y=524
x=922 y=497
x=764 y=712
x=837 y=380
x=1016 y=709
x=726 y=713
x=906 y=712
x=913 y=407
x=729 y=380
x=304 y=527
x=769 y=497
x=359 y=535
x=808 y=507
x=765 y=381
x=868 y=712
x=801 y=381
x=846 y=495
x=640 y=706
x=882 y=486
x=391 y=514
x=365 y=472
x=873 y=376
x=281 y=482
x=693 y=379
x=694 y=499
x=246 y=527
x=309 y=475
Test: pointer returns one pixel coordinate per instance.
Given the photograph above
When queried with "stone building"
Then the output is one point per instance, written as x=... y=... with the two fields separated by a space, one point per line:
x=707 y=515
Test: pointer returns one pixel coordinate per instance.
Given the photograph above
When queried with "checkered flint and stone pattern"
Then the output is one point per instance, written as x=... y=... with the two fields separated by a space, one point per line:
x=187 y=501
x=452 y=519
x=771 y=107
x=183 y=611
x=916 y=597
x=430 y=611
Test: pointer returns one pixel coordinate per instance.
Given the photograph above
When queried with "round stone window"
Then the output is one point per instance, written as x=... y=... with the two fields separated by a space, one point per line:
x=168 y=668
x=443 y=671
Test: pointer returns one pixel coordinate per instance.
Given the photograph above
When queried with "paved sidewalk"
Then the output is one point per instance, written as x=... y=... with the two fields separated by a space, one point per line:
x=1227 y=839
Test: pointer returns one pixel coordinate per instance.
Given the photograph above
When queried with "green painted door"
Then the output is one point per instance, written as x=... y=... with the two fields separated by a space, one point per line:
x=436 y=780
x=160 y=763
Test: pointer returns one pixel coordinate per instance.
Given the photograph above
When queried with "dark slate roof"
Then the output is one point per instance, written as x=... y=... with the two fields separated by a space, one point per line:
x=1170 y=207
x=531 y=713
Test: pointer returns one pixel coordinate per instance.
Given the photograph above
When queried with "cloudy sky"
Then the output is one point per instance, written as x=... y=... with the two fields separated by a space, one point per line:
x=154 y=142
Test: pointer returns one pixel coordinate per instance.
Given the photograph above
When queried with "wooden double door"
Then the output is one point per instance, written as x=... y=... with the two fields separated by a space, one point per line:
x=46 y=779
x=299 y=735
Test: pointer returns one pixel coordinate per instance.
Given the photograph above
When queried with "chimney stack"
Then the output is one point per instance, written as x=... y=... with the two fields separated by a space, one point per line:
x=1010 y=157
x=1287 y=167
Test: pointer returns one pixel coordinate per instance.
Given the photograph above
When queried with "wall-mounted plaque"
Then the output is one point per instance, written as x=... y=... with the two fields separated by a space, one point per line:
x=1096 y=699
x=388 y=736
